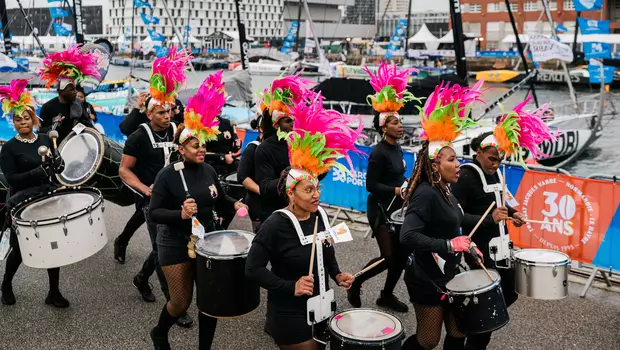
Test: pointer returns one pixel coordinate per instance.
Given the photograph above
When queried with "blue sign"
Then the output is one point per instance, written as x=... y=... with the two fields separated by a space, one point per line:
x=149 y=19
x=597 y=50
x=60 y=30
x=139 y=3
x=58 y=13
x=588 y=5
x=217 y=51
x=396 y=38
x=287 y=44
x=592 y=26
x=497 y=54
x=561 y=29
x=161 y=51
x=290 y=38
x=595 y=74
x=155 y=36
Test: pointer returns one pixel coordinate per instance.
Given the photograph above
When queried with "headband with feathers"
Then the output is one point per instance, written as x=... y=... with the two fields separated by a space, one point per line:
x=446 y=114
x=203 y=109
x=519 y=129
x=15 y=99
x=283 y=94
x=167 y=76
x=391 y=94
x=70 y=64
x=319 y=138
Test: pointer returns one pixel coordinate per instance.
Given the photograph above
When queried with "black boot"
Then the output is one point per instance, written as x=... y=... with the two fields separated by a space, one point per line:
x=390 y=301
x=56 y=299
x=412 y=344
x=206 y=331
x=160 y=342
x=144 y=288
x=354 y=295
x=120 y=251
x=159 y=334
x=185 y=321
x=8 y=298
x=451 y=343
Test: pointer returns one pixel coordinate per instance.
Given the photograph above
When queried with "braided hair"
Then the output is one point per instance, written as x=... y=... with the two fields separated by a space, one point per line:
x=282 y=183
x=423 y=170
x=267 y=124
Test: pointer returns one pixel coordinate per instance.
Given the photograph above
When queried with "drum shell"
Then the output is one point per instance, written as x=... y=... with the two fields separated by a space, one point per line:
x=233 y=187
x=340 y=341
x=52 y=248
x=480 y=312
x=543 y=281
x=222 y=290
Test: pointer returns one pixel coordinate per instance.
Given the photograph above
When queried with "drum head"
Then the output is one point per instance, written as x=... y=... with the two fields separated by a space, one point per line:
x=365 y=325
x=399 y=215
x=473 y=280
x=82 y=154
x=56 y=205
x=541 y=256
x=227 y=243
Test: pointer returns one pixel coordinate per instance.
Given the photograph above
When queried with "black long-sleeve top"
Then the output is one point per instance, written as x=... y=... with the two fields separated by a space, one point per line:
x=271 y=159
x=431 y=221
x=168 y=196
x=17 y=159
x=474 y=201
x=246 y=170
x=277 y=243
x=132 y=121
x=52 y=108
x=386 y=171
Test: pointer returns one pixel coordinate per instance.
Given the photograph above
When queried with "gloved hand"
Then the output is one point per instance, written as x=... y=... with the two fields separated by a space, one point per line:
x=476 y=253
x=41 y=172
x=460 y=244
x=58 y=165
x=403 y=189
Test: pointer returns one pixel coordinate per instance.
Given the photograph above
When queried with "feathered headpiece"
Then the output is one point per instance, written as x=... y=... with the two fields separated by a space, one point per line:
x=446 y=114
x=390 y=85
x=15 y=99
x=319 y=138
x=203 y=109
x=283 y=94
x=520 y=129
x=167 y=76
x=69 y=66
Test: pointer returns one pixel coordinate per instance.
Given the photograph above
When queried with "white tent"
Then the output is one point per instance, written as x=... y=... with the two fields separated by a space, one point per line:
x=192 y=40
x=424 y=36
x=449 y=37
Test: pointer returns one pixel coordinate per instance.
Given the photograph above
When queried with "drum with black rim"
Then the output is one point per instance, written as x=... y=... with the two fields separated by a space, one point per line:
x=365 y=329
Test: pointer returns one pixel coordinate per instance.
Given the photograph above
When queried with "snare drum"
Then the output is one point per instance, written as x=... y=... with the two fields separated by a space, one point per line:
x=60 y=228
x=222 y=290
x=94 y=159
x=398 y=216
x=365 y=329
x=477 y=302
x=541 y=274
x=233 y=187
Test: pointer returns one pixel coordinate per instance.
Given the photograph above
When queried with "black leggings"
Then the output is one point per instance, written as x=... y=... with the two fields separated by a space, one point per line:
x=430 y=319
x=14 y=260
x=133 y=224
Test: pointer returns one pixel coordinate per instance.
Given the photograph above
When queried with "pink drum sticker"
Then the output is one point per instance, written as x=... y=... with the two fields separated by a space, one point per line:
x=387 y=330
x=337 y=317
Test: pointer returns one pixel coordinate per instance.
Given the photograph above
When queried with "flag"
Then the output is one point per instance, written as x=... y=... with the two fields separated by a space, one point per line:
x=597 y=50
x=139 y=3
x=149 y=19
x=592 y=26
x=588 y=5
x=595 y=73
x=61 y=30
x=560 y=28
x=58 y=13
x=155 y=36
x=544 y=49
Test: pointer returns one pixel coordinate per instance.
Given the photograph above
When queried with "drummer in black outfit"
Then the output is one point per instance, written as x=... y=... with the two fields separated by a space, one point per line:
x=27 y=176
x=138 y=116
x=220 y=152
x=245 y=174
x=173 y=211
x=385 y=180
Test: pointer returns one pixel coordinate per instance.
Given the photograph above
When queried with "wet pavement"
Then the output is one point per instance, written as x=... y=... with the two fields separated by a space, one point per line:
x=107 y=312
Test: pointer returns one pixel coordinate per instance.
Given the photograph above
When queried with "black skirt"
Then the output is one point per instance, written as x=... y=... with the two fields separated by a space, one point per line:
x=289 y=326
x=171 y=247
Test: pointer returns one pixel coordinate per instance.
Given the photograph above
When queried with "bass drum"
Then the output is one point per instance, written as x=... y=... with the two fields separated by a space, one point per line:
x=93 y=159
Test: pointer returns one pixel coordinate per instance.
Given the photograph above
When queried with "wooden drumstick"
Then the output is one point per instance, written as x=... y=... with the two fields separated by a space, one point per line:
x=368 y=268
x=504 y=189
x=42 y=152
x=482 y=219
x=179 y=167
x=316 y=226
x=485 y=270
x=532 y=221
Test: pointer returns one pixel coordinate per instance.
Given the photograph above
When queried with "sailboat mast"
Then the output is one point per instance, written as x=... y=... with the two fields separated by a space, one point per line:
x=4 y=20
x=408 y=26
x=77 y=21
x=243 y=42
x=459 y=42
x=300 y=52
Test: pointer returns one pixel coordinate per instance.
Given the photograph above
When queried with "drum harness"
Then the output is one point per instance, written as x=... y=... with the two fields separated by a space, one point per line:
x=166 y=146
x=504 y=245
x=305 y=240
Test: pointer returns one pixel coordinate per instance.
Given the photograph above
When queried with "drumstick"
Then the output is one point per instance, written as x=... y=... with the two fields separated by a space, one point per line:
x=368 y=268
x=504 y=189
x=316 y=224
x=487 y=271
x=53 y=134
x=179 y=167
x=482 y=219
x=532 y=221
x=42 y=152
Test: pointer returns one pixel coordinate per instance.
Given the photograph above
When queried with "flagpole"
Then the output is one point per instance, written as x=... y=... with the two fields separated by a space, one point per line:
x=133 y=29
x=34 y=35
x=176 y=32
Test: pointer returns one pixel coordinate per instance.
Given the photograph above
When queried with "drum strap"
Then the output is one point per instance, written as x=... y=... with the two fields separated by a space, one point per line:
x=166 y=146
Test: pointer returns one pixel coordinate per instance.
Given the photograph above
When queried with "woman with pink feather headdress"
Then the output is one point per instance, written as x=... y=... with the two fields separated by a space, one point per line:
x=385 y=181
x=318 y=139
x=480 y=183
x=27 y=176
x=174 y=208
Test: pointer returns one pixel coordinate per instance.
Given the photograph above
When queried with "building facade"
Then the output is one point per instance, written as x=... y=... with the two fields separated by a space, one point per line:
x=362 y=12
x=490 y=18
x=437 y=23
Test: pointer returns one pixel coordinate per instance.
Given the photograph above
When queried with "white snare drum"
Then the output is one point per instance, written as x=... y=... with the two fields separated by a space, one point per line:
x=60 y=228
x=541 y=274
x=365 y=329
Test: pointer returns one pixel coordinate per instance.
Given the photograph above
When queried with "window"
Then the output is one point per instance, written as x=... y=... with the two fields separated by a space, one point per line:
x=553 y=5
x=493 y=26
x=514 y=7
x=475 y=8
x=569 y=5
x=530 y=6
x=493 y=7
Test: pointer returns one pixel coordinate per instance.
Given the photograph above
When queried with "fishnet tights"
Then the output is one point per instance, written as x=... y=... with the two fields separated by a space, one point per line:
x=180 y=279
x=429 y=321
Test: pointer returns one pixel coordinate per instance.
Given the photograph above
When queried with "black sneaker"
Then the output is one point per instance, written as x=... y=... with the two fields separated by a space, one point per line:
x=159 y=342
x=145 y=289
x=185 y=321
x=56 y=300
x=119 y=251
x=8 y=298
x=353 y=296
x=391 y=302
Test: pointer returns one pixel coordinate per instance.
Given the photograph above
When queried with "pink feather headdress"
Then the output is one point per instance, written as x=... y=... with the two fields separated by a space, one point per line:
x=168 y=74
x=203 y=109
x=319 y=138
x=519 y=129
x=69 y=64
x=15 y=99
x=283 y=94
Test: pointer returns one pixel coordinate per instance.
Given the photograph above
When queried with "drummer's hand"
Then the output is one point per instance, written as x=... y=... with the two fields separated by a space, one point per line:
x=518 y=220
x=304 y=286
x=460 y=244
x=228 y=158
x=148 y=190
x=398 y=191
x=403 y=189
x=141 y=100
x=238 y=205
x=189 y=208
x=476 y=253
x=345 y=280
x=500 y=214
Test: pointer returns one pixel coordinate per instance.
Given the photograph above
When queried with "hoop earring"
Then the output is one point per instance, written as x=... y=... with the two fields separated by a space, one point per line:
x=439 y=180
